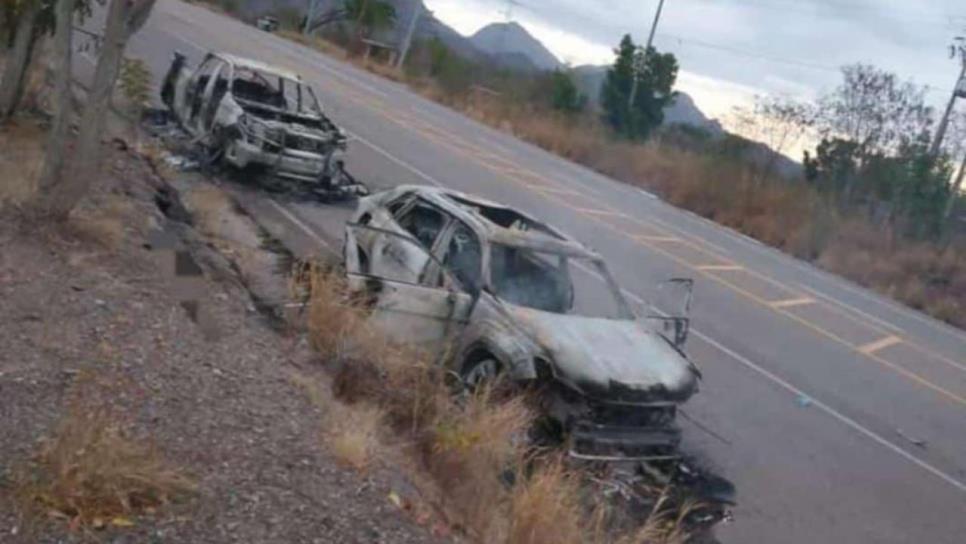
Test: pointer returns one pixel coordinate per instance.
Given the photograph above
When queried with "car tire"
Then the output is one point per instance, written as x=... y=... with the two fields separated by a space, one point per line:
x=479 y=372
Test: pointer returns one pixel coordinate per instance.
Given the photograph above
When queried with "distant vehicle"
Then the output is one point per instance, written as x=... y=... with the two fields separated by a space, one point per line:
x=267 y=23
x=253 y=115
x=510 y=295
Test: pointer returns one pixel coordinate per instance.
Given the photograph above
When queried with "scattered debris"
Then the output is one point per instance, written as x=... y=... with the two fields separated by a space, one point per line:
x=181 y=163
x=914 y=441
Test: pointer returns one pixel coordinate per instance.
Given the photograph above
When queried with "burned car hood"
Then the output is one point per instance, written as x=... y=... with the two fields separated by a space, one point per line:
x=612 y=360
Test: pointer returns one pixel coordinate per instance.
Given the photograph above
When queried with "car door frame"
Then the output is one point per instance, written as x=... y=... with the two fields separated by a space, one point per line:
x=198 y=121
x=391 y=222
x=460 y=301
x=191 y=91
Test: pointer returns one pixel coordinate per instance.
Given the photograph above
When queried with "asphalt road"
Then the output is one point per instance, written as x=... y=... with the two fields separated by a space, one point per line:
x=840 y=415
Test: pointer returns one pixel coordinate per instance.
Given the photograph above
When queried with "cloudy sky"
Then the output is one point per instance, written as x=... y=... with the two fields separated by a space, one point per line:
x=730 y=50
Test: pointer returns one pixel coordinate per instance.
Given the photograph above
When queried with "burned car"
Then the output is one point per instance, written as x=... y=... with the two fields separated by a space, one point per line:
x=254 y=116
x=507 y=294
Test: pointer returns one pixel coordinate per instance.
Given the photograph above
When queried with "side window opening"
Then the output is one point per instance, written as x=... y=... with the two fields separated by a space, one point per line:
x=424 y=222
x=252 y=86
x=396 y=206
x=529 y=278
x=464 y=257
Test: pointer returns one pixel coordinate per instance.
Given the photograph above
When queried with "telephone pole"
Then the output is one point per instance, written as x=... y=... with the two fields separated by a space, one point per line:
x=958 y=49
x=309 y=16
x=643 y=63
x=408 y=38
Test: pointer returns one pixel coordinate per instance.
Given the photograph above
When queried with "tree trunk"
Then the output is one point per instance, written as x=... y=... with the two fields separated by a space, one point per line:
x=11 y=86
x=954 y=194
x=124 y=18
x=57 y=138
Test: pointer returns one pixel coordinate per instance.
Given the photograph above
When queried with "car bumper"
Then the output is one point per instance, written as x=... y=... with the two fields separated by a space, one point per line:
x=292 y=164
x=595 y=441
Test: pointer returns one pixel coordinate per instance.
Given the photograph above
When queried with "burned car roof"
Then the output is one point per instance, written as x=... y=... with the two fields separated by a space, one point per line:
x=257 y=65
x=498 y=223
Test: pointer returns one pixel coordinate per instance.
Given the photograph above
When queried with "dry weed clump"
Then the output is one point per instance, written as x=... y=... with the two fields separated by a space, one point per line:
x=104 y=225
x=92 y=474
x=471 y=450
x=335 y=322
x=922 y=275
x=662 y=526
x=546 y=508
x=21 y=161
x=351 y=432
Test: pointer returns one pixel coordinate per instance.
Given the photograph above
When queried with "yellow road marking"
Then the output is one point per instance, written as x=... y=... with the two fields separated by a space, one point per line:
x=644 y=238
x=718 y=267
x=879 y=345
x=555 y=190
x=603 y=213
x=792 y=302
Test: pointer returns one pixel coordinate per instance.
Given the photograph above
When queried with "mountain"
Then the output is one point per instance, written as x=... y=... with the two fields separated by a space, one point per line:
x=510 y=43
x=683 y=111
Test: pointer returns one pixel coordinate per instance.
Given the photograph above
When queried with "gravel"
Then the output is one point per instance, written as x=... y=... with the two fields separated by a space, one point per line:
x=81 y=321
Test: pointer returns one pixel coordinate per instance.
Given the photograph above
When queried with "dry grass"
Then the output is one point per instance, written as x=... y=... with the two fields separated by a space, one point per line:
x=546 y=508
x=209 y=206
x=664 y=526
x=335 y=322
x=354 y=434
x=104 y=225
x=469 y=450
x=351 y=432
x=924 y=276
x=21 y=161
x=465 y=449
x=314 y=42
x=92 y=474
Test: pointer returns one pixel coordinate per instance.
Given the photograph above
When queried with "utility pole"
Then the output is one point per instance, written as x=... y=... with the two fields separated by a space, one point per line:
x=643 y=64
x=958 y=49
x=309 y=16
x=957 y=185
x=408 y=38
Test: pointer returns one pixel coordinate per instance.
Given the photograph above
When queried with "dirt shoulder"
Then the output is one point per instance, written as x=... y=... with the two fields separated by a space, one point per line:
x=132 y=312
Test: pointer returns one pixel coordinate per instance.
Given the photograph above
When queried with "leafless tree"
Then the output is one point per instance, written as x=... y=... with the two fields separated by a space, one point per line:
x=875 y=110
x=784 y=123
x=780 y=122
x=124 y=18
x=11 y=86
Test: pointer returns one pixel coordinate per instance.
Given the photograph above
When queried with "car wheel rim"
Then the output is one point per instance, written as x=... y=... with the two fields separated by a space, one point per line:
x=481 y=372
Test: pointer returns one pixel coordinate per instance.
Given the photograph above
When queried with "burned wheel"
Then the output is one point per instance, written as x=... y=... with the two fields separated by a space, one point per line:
x=476 y=373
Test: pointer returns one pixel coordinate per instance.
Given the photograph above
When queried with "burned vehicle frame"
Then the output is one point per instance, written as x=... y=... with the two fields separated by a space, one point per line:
x=254 y=116
x=506 y=294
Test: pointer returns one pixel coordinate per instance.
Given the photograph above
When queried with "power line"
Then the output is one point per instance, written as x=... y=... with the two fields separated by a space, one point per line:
x=769 y=58
x=822 y=9
x=750 y=54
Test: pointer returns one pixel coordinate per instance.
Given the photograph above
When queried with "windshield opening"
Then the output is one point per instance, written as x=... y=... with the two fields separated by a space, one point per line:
x=273 y=91
x=553 y=282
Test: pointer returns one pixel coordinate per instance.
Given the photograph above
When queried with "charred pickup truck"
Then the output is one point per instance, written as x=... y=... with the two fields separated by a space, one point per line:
x=510 y=295
x=251 y=115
